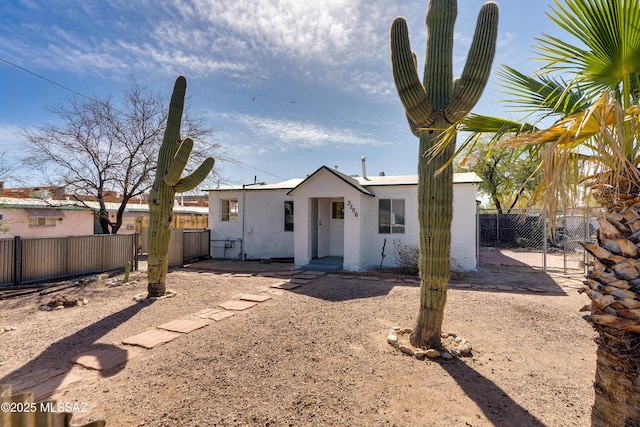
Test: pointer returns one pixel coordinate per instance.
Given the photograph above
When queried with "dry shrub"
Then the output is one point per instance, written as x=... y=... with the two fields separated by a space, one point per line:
x=407 y=257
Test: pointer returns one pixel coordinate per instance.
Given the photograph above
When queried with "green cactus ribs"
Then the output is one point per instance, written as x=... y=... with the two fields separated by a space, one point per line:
x=433 y=106
x=172 y=159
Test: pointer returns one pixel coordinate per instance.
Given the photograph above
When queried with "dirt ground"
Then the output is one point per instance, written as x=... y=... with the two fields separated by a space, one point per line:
x=318 y=354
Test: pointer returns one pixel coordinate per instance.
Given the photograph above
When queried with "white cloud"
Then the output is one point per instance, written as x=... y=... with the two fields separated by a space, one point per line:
x=242 y=39
x=267 y=134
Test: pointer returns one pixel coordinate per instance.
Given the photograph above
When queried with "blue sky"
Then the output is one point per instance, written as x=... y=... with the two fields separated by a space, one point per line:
x=291 y=84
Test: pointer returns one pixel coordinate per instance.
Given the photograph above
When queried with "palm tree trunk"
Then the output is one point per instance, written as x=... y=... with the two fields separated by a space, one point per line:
x=617 y=397
x=613 y=284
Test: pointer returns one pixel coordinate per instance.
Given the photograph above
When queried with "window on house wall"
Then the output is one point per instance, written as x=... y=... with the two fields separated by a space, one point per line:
x=390 y=216
x=288 y=215
x=229 y=210
x=337 y=210
x=42 y=222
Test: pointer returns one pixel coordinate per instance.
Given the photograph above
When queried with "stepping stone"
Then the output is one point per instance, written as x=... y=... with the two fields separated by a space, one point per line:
x=287 y=286
x=207 y=312
x=314 y=273
x=34 y=378
x=370 y=278
x=47 y=387
x=347 y=277
x=221 y=315
x=254 y=298
x=151 y=338
x=460 y=285
x=214 y=314
x=287 y=273
x=104 y=359
x=274 y=292
x=183 y=326
x=242 y=275
x=300 y=281
x=237 y=305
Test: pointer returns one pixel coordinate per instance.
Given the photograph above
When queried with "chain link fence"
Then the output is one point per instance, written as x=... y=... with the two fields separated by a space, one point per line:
x=529 y=238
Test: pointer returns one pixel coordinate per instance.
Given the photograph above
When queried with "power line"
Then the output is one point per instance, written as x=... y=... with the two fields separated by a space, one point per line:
x=44 y=78
x=259 y=170
x=92 y=99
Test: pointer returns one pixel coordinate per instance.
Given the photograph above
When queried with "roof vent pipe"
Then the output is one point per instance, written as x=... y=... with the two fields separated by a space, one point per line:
x=364 y=167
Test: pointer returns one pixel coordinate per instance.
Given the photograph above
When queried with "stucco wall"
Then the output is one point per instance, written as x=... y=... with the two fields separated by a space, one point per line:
x=73 y=223
x=464 y=254
x=374 y=240
x=463 y=226
x=263 y=215
x=324 y=185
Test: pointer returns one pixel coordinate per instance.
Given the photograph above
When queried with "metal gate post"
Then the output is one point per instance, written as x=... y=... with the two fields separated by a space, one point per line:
x=17 y=260
x=544 y=241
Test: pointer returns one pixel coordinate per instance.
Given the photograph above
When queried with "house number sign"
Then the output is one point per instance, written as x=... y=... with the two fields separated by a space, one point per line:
x=353 y=209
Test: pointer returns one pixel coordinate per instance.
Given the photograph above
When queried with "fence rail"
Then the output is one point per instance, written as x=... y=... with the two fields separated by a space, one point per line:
x=36 y=259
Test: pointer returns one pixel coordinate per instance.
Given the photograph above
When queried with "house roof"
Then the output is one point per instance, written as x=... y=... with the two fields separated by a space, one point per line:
x=458 y=178
x=284 y=185
x=40 y=204
x=343 y=177
x=359 y=183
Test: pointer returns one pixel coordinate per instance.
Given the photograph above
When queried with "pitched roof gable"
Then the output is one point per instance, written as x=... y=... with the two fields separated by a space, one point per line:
x=341 y=176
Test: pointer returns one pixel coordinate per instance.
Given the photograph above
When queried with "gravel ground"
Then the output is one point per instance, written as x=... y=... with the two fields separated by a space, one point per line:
x=316 y=355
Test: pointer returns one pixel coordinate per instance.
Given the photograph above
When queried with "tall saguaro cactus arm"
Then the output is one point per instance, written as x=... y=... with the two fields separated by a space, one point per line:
x=475 y=75
x=172 y=159
x=432 y=107
x=405 y=75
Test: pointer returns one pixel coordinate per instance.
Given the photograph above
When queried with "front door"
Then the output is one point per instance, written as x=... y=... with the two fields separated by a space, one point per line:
x=336 y=228
x=324 y=227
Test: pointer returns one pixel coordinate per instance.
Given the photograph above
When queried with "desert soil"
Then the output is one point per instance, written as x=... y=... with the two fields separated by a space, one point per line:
x=318 y=354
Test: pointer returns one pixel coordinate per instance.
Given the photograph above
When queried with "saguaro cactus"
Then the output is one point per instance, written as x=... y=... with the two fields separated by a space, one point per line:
x=433 y=108
x=172 y=158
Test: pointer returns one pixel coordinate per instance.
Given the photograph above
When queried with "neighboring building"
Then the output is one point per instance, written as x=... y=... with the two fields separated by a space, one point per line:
x=36 y=217
x=29 y=217
x=330 y=214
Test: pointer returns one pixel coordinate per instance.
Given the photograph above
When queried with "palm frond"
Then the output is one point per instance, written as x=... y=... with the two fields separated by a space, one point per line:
x=541 y=94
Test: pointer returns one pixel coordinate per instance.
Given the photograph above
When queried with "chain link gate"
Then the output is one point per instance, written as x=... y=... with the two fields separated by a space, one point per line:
x=524 y=237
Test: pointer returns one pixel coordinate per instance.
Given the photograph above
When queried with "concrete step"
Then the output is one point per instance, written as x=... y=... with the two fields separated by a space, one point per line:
x=323 y=266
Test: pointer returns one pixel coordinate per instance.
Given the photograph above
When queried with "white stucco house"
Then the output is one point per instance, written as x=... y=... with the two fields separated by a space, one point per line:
x=331 y=214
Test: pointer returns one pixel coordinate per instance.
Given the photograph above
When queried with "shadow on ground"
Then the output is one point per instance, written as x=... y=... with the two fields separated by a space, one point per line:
x=500 y=409
x=47 y=371
x=336 y=290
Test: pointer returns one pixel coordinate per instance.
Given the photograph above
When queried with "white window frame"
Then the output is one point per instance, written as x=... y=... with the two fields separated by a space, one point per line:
x=393 y=220
x=227 y=211
x=42 y=221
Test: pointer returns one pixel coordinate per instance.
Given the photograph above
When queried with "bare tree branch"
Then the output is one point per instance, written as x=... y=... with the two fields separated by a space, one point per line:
x=101 y=147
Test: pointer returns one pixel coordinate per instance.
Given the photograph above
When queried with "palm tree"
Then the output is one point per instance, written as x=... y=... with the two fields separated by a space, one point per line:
x=596 y=132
